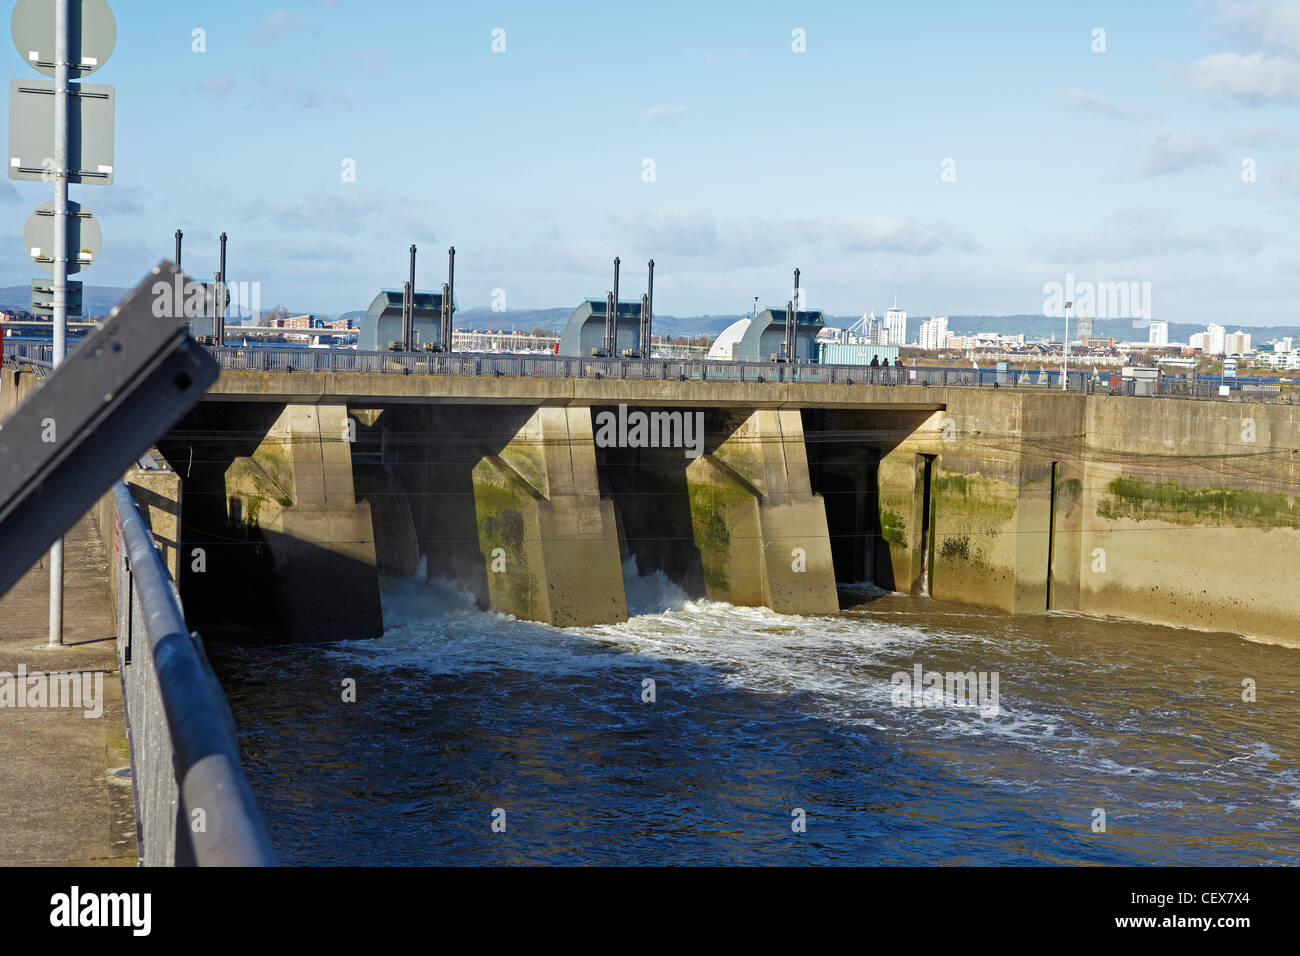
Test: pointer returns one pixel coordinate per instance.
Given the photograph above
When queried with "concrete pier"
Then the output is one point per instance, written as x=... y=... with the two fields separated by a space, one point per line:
x=296 y=492
x=761 y=533
x=548 y=539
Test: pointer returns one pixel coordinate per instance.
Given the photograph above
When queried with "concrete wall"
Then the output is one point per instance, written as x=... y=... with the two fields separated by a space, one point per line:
x=1190 y=515
x=991 y=455
x=1167 y=511
x=15 y=386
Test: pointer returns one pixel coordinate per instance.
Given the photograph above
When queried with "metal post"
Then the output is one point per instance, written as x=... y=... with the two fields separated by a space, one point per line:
x=179 y=235
x=219 y=326
x=62 y=55
x=450 y=298
x=408 y=326
x=407 y=311
x=792 y=317
x=609 y=310
x=648 y=331
x=1065 y=349
x=406 y=306
x=444 y=319
x=613 y=321
x=643 y=349
x=789 y=324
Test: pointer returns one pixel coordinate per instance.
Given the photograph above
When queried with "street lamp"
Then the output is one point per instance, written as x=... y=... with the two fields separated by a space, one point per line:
x=1065 y=349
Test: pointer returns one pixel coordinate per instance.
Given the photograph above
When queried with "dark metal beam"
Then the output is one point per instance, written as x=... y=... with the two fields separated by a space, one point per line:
x=113 y=397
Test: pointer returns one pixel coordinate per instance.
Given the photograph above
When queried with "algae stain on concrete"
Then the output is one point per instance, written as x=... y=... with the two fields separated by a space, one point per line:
x=979 y=495
x=1176 y=503
x=709 y=525
x=892 y=528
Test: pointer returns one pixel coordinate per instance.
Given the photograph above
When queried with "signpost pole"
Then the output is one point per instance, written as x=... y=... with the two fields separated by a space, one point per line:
x=61 y=58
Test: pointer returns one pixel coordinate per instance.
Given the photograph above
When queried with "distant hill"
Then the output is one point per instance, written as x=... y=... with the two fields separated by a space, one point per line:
x=100 y=299
x=96 y=300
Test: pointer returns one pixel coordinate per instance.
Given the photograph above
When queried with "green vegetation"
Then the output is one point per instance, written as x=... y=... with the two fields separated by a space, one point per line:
x=500 y=517
x=979 y=495
x=892 y=528
x=709 y=525
x=1170 y=501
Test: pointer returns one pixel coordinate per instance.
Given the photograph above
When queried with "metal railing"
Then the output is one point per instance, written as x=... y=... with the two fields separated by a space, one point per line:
x=193 y=802
x=350 y=361
x=346 y=361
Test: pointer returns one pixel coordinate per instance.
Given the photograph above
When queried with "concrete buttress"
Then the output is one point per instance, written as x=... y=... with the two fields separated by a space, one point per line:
x=548 y=539
x=297 y=490
x=760 y=530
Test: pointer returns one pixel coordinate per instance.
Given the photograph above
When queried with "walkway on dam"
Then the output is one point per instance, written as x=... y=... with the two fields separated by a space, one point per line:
x=62 y=803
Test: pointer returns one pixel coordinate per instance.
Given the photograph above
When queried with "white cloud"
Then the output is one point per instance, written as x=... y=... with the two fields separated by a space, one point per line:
x=664 y=113
x=1118 y=109
x=1169 y=152
x=1271 y=24
x=217 y=86
x=1251 y=80
x=278 y=25
x=1141 y=234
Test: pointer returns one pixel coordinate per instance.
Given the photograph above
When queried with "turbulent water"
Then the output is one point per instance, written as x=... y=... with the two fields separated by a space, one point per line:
x=757 y=716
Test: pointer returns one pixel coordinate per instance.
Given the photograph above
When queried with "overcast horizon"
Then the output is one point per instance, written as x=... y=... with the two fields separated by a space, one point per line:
x=960 y=158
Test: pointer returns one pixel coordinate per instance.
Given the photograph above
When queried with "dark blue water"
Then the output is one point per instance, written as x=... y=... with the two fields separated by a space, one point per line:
x=460 y=713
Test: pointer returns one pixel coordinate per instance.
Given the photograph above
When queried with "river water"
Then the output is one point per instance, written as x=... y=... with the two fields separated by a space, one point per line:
x=760 y=721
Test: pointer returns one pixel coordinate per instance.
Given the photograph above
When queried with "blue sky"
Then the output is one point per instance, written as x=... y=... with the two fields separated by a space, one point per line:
x=1119 y=165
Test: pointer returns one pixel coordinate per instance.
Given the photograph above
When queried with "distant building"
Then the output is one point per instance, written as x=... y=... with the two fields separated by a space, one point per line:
x=1083 y=328
x=762 y=339
x=1214 y=339
x=1237 y=343
x=1158 y=333
x=895 y=327
x=934 y=333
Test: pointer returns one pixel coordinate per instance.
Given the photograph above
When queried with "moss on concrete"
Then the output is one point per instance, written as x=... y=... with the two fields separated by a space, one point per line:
x=893 y=528
x=709 y=525
x=974 y=497
x=500 y=516
x=1177 y=503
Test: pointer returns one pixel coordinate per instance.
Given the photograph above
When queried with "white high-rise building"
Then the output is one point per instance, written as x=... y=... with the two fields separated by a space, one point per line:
x=1158 y=333
x=934 y=332
x=1214 y=339
x=1237 y=343
x=895 y=327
